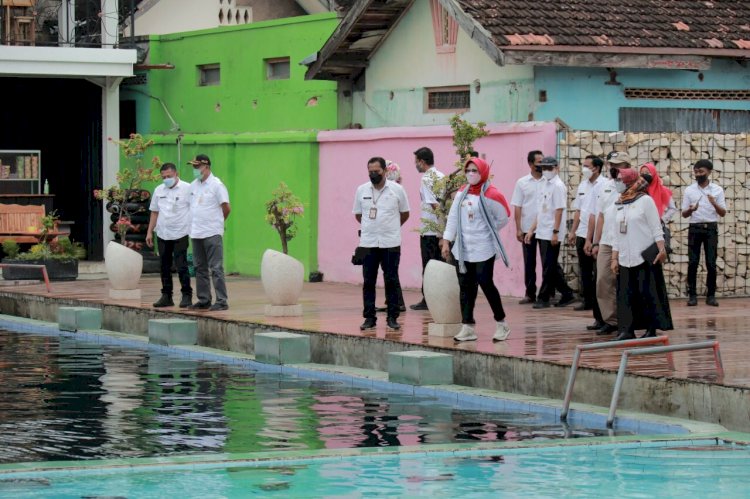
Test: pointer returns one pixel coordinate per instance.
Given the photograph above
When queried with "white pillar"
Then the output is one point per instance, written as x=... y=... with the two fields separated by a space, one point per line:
x=110 y=150
x=109 y=23
x=66 y=20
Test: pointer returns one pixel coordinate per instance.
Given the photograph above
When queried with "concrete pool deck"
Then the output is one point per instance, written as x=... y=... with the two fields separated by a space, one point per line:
x=534 y=361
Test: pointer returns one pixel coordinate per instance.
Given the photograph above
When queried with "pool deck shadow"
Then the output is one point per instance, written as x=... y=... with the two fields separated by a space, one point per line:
x=535 y=360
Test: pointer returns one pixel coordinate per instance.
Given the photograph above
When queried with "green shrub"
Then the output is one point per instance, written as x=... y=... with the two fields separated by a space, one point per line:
x=10 y=248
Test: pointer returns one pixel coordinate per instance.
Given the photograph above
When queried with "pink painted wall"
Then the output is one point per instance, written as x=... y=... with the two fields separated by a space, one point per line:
x=343 y=166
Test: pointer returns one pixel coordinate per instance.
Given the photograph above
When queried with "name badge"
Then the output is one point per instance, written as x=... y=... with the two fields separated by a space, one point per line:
x=373 y=213
x=623 y=227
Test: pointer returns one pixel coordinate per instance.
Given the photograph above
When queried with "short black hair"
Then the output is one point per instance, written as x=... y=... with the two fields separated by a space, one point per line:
x=703 y=163
x=377 y=159
x=596 y=161
x=474 y=154
x=425 y=154
x=167 y=166
x=532 y=156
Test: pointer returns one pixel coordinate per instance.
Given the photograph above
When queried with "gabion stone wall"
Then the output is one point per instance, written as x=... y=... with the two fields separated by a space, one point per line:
x=674 y=154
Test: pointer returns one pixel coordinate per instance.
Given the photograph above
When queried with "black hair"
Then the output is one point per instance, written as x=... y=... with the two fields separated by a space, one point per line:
x=425 y=154
x=703 y=163
x=532 y=156
x=377 y=159
x=596 y=161
x=167 y=166
x=474 y=154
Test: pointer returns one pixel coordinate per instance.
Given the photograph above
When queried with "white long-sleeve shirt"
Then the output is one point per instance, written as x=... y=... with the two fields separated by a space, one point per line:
x=476 y=238
x=636 y=227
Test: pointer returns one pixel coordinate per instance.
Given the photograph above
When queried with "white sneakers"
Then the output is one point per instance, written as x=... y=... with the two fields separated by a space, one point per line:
x=501 y=331
x=468 y=333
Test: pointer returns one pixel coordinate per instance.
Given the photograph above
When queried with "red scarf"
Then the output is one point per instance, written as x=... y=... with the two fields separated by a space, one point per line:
x=660 y=194
x=484 y=173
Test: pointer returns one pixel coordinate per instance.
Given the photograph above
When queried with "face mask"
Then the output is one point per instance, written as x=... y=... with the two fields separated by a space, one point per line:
x=376 y=178
x=701 y=178
x=197 y=173
x=538 y=169
x=587 y=173
x=620 y=186
x=613 y=172
x=473 y=178
x=549 y=174
x=169 y=182
x=647 y=177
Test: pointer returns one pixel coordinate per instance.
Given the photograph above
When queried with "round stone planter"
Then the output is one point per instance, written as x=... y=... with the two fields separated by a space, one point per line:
x=441 y=292
x=282 y=277
x=124 y=268
x=57 y=270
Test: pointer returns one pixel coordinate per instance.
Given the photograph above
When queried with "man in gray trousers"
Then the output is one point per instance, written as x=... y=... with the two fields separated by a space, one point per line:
x=209 y=208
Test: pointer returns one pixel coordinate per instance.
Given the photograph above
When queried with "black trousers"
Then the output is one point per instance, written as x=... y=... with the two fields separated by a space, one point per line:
x=387 y=259
x=642 y=301
x=170 y=252
x=429 y=246
x=529 y=267
x=707 y=235
x=552 y=273
x=587 y=266
x=479 y=274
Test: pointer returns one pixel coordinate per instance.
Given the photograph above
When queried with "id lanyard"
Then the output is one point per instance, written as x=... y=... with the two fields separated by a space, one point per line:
x=374 y=209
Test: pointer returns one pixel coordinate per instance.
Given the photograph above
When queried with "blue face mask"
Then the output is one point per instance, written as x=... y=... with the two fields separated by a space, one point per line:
x=197 y=173
x=169 y=182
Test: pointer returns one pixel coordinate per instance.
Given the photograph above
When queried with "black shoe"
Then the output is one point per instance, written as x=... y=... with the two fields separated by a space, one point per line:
x=711 y=300
x=186 y=301
x=402 y=308
x=526 y=300
x=381 y=309
x=217 y=307
x=607 y=329
x=392 y=324
x=565 y=300
x=692 y=301
x=419 y=306
x=368 y=324
x=582 y=307
x=541 y=304
x=624 y=335
x=596 y=326
x=164 y=301
x=199 y=306
x=650 y=333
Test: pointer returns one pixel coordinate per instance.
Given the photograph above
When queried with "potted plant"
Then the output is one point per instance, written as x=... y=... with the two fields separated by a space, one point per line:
x=282 y=276
x=58 y=255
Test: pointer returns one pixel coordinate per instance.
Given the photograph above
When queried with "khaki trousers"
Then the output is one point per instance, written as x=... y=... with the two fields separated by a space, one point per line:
x=606 y=285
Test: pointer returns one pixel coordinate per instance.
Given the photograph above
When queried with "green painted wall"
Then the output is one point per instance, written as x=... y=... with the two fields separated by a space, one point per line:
x=257 y=132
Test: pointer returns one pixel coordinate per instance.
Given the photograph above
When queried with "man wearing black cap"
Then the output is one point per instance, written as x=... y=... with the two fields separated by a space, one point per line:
x=209 y=208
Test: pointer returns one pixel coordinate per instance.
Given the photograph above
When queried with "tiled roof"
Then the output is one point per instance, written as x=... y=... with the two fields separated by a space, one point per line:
x=691 y=24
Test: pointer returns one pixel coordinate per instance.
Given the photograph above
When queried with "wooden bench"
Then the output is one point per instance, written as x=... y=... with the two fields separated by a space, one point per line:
x=22 y=223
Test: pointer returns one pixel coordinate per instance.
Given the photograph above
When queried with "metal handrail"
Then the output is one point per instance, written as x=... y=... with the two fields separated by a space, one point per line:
x=648 y=351
x=31 y=266
x=602 y=346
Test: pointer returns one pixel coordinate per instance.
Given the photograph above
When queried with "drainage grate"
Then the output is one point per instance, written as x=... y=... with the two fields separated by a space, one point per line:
x=686 y=94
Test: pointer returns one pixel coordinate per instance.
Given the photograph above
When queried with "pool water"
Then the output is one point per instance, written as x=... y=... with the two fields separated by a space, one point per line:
x=708 y=469
x=66 y=399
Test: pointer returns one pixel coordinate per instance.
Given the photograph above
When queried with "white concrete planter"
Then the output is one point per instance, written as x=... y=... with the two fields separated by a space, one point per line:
x=282 y=278
x=441 y=292
x=124 y=267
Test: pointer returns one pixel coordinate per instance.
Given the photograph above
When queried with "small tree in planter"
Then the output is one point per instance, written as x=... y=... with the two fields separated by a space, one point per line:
x=281 y=212
x=60 y=256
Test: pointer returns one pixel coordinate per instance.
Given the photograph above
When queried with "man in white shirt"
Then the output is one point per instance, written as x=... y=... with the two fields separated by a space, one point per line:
x=601 y=236
x=428 y=240
x=550 y=220
x=170 y=216
x=591 y=170
x=381 y=207
x=524 y=202
x=703 y=203
x=209 y=208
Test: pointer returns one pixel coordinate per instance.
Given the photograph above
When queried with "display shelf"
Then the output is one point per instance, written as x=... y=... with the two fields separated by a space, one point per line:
x=20 y=171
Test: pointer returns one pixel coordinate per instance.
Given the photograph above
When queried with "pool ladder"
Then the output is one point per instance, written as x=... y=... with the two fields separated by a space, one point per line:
x=632 y=351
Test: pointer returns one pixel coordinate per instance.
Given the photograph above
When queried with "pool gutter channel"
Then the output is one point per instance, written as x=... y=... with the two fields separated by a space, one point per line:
x=336 y=353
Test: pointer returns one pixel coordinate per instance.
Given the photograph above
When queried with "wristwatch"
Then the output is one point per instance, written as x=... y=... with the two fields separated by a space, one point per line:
x=555 y=231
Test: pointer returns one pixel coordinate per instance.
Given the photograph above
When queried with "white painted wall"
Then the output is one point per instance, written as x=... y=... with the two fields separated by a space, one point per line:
x=407 y=63
x=175 y=16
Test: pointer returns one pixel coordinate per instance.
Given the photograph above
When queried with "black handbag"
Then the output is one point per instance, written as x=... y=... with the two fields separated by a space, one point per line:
x=358 y=258
x=650 y=253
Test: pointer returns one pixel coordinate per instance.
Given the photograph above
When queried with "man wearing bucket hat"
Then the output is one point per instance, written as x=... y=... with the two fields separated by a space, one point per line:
x=209 y=208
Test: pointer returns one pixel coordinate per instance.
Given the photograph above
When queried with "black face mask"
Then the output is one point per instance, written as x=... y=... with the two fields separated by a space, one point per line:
x=538 y=169
x=647 y=177
x=613 y=173
x=376 y=178
x=701 y=178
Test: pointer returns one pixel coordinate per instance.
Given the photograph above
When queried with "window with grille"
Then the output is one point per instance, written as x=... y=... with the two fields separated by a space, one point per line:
x=686 y=94
x=448 y=99
x=209 y=74
x=277 y=68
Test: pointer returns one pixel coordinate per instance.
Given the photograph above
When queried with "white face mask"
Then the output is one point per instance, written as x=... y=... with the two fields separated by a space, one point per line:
x=549 y=174
x=169 y=182
x=473 y=178
x=587 y=173
x=620 y=186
